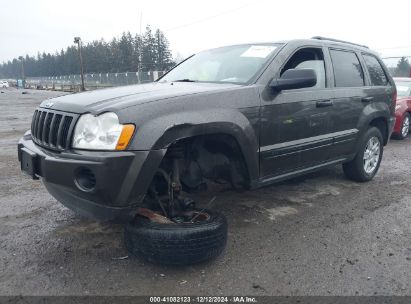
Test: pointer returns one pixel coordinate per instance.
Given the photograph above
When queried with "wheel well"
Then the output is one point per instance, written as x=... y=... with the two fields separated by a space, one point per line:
x=218 y=157
x=381 y=124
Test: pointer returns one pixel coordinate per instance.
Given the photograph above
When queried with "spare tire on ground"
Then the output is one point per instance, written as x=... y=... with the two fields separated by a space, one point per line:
x=177 y=243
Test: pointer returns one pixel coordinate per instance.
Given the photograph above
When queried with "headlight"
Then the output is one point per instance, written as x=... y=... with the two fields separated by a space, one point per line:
x=103 y=132
x=397 y=107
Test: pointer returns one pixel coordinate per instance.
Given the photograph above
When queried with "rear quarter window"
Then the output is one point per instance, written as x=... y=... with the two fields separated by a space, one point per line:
x=347 y=69
x=377 y=75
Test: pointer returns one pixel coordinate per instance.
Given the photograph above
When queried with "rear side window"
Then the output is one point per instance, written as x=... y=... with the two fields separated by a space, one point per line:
x=347 y=69
x=377 y=75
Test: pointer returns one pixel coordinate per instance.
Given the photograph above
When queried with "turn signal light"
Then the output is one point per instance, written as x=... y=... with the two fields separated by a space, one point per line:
x=125 y=137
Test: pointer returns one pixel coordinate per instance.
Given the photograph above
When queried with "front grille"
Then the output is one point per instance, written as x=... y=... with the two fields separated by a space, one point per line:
x=52 y=129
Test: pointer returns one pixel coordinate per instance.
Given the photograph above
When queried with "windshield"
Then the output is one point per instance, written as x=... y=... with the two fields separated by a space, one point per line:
x=233 y=64
x=403 y=88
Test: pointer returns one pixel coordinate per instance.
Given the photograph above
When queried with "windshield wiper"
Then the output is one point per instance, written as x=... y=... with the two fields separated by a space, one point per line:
x=184 y=80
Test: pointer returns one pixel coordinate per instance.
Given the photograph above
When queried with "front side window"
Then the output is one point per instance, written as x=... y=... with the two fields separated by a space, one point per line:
x=309 y=58
x=377 y=75
x=347 y=69
x=232 y=64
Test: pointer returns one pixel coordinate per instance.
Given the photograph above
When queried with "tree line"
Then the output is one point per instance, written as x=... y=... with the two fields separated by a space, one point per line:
x=403 y=68
x=147 y=52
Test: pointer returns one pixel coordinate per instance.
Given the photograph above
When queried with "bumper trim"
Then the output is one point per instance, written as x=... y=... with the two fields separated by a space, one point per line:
x=88 y=208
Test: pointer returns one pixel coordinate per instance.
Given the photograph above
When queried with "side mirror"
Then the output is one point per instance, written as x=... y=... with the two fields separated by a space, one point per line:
x=295 y=79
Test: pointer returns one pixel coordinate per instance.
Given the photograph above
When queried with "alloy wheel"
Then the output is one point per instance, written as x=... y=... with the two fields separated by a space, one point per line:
x=405 y=126
x=371 y=155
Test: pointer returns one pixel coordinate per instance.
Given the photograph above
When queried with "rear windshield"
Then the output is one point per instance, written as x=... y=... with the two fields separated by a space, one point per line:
x=232 y=64
x=403 y=88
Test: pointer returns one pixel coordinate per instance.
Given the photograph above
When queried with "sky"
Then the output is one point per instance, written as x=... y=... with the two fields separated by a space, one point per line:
x=29 y=26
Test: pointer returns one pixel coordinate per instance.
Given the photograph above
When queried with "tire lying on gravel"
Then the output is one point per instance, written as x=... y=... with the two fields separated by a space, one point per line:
x=368 y=159
x=177 y=243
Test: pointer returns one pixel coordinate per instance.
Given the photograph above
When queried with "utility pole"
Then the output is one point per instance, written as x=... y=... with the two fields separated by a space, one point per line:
x=140 y=55
x=78 y=41
x=22 y=70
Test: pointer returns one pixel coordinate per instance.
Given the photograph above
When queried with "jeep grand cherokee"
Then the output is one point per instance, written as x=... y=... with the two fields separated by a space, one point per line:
x=249 y=115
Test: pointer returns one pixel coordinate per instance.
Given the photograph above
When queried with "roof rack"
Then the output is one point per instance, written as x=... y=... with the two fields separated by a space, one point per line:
x=336 y=40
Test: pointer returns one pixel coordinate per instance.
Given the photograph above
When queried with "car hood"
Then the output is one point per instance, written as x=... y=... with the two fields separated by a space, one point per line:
x=403 y=99
x=113 y=99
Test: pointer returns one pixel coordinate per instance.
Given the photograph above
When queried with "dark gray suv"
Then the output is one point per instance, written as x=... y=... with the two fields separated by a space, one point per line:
x=249 y=115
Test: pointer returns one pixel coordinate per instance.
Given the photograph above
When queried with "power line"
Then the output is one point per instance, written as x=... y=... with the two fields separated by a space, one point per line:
x=207 y=18
x=394 y=47
x=395 y=57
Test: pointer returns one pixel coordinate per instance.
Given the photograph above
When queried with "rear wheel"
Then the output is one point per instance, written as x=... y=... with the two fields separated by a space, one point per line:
x=367 y=161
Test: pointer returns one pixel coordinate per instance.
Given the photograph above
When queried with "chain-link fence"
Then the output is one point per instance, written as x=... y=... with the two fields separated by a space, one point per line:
x=91 y=81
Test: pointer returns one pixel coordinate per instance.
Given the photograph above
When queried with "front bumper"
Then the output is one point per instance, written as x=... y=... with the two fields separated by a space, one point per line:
x=120 y=178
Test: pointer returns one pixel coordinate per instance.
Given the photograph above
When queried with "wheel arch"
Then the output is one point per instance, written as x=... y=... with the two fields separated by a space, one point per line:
x=228 y=134
x=381 y=123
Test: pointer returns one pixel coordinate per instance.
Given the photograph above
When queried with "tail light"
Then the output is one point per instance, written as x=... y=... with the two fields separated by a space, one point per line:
x=394 y=96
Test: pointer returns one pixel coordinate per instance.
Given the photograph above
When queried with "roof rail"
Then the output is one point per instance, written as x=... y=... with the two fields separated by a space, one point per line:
x=336 y=40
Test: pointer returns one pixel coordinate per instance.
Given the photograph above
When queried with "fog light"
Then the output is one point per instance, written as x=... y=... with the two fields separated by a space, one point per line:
x=85 y=179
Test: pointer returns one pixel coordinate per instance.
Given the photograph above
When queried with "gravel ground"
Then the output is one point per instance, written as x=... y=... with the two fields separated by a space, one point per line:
x=316 y=235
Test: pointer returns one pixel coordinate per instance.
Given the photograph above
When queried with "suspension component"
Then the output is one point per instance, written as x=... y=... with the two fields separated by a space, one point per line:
x=176 y=154
x=176 y=151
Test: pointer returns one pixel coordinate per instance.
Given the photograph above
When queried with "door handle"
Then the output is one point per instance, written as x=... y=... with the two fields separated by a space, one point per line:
x=324 y=103
x=367 y=99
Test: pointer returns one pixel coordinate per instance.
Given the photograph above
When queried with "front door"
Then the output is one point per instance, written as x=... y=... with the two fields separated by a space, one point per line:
x=294 y=123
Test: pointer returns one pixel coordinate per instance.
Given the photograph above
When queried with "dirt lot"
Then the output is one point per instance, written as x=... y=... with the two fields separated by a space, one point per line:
x=316 y=235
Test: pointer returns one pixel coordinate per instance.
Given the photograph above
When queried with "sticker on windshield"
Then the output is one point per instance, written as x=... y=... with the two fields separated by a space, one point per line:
x=259 y=51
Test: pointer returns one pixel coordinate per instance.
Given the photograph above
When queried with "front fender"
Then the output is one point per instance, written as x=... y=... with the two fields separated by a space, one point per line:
x=160 y=132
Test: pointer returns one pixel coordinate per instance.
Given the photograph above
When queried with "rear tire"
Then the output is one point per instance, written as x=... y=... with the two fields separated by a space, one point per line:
x=405 y=127
x=178 y=244
x=366 y=163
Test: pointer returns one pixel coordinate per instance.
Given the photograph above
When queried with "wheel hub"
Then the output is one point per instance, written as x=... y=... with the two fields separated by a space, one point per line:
x=405 y=126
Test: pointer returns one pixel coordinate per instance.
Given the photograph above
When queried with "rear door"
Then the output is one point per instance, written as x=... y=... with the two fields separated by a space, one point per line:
x=379 y=87
x=350 y=97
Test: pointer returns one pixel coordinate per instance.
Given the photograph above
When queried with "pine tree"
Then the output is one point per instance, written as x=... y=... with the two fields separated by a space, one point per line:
x=403 y=68
x=126 y=49
x=162 y=51
x=148 y=52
